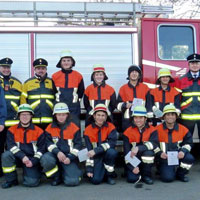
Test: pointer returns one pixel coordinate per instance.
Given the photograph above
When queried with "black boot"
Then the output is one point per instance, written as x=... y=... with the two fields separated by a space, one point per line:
x=56 y=181
x=9 y=184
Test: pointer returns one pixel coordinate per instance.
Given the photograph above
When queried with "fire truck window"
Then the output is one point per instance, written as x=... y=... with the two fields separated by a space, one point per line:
x=175 y=42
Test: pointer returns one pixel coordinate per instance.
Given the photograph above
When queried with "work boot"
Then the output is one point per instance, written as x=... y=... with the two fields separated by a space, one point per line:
x=9 y=184
x=110 y=181
x=182 y=178
x=147 y=180
x=56 y=181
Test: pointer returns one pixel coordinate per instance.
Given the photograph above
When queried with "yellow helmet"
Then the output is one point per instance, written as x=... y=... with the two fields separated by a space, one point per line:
x=170 y=109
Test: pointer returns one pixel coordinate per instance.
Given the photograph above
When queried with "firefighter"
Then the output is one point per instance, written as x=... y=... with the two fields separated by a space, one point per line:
x=39 y=91
x=12 y=91
x=174 y=137
x=99 y=92
x=164 y=94
x=100 y=139
x=128 y=92
x=26 y=144
x=69 y=84
x=63 y=141
x=189 y=85
x=141 y=139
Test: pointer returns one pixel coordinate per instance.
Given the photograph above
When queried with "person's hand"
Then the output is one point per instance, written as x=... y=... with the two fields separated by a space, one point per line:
x=91 y=153
x=90 y=175
x=61 y=156
x=134 y=152
x=66 y=161
x=136 y=170
x=128 y=105
x=27 y=162
x=163 y=155
x=181 y=155
x=1 y=127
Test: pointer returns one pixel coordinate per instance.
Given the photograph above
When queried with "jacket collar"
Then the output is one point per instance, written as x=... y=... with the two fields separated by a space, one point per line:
x=104 y=125
x=102 y=84
x=168 y=88
x=175 y=126
x=31 y=126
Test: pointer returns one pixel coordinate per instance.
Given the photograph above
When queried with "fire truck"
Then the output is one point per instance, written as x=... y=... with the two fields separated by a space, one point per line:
x=113 y=34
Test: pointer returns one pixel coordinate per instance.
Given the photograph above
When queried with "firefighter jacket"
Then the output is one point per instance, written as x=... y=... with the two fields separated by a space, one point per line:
x=95 y=94
x=40 y=95
x=70 y=87
x=177 y=139
x=66 y=139
x=12 y=92
x=146 y=139
x=190 y=99
x=28 y=142
x=160 y=98
x=3 y=110
x=127 y=93
x=99 y=139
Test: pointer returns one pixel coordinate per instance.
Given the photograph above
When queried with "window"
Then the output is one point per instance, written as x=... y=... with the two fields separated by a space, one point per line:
x=175 y=42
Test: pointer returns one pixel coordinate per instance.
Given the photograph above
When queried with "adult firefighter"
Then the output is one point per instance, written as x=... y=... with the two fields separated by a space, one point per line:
x=99 y=92
x=63 y=141
x=189 y=85
x=130 y=91
x=174 y=137
x=141 y=140
x=25 y=144
x=39 y=92
x=100 y=139
x=164 y=94
x=69 y=84
x=12 y=91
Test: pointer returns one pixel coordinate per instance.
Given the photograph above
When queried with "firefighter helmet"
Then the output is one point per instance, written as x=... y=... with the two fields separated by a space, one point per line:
x=139 y=111
x=60 y=108
x=100 y=107
x=170 y=109
x=66 y=54
x=99 y=68
x=25 y=108
x=164 y=72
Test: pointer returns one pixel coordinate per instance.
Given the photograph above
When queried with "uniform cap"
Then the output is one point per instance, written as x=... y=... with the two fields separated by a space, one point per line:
x=139 y=111
x=193 y=58
x=170 y=109
x=64 y=54
x=6 y=62
x=40 y=62
x=60 y=108
x=164 y=72
x=25 y=108
x=99 y=68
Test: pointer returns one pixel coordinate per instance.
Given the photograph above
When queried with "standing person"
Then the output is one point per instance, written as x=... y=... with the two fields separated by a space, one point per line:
x=189 y=85
x=174 y=137
x=164 y=94
x=141 y=139
x=63 y=141
x=26 y=144
x=128 y=92
x=12 y=91
x=99 y=92
x=69 y=84
x=39 y=92
x=100 y=139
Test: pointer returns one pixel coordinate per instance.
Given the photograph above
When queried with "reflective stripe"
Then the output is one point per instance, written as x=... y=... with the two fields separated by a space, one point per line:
x=126 y=114
x=42 y=120
x=94 y=144
x=187 y=146
x=185 y=166
x=149 y=114
x=38 y=155
x=75 y=95
x=35 y=104
x=9 y=169
x=198 y=98
x=52 y=171
x=91 y=103
x=36 y=120
x=187 y=102
x=51 y=147
x=74 y=152
x=149 y=145
x=119 y=106
x=41 y=96
x=157 y=104
x=133 y=145
x=163 y=146
x=12 y=97
x=14 y=105
x=190 y=117
x=24 y=94
x=107 y=102
x=178 y=144
x=109 y=168
x=105 y=146
x=90 y=163
x=14 y=149
x=187 y=94
x=148 y=159
x=34 y=147
x=156 y=150
x=49 y=103
x=179 y=90
x=11 y=122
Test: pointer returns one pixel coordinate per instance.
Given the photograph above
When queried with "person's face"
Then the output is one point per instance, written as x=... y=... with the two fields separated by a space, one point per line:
x=98 y=77
x=5 y=70
x=165 y=80
x=170 y=118
x=139 y=121
x=25 y=118
x=194 y=66
x=61 y=117
x=100 y=117
x=41 y=71
x=134 y=76
x=66 y=63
